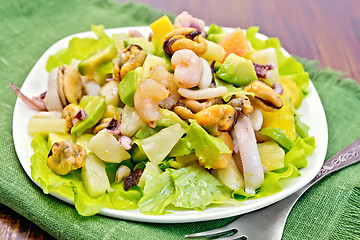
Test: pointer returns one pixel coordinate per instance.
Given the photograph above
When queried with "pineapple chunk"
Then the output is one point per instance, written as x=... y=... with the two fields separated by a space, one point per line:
x=291 y=91
x=107 y=148
x=159 y=145
x=94 y=176
x=161 y=27
x=51 y=114
x=46 y=125
x=271 y=155
x=230 y=176
x=267 y=56
x=213 y=52
x=130 y=121
x=264 y=56
x=283 y=118
x=110 y=92
x=58 y=137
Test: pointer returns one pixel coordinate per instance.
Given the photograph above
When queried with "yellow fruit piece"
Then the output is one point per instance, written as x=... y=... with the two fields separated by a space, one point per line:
x=291 y=91
x=282 y=118
x=161 y=27
x=271 y=155
x=213 y=52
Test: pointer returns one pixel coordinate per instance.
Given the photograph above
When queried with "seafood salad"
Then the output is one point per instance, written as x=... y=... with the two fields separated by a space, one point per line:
x=184 y=118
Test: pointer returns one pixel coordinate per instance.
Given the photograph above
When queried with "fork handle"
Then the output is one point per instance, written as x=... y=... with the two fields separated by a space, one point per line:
x=344 y=158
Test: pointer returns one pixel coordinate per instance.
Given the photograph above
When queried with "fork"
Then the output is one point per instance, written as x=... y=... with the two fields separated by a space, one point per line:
x=271 y=220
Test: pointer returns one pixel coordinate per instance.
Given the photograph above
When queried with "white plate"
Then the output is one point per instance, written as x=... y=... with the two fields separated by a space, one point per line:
x=311 y=110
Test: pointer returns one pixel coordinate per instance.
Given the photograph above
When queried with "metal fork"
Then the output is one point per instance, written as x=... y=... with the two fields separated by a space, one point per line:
x=271 y=220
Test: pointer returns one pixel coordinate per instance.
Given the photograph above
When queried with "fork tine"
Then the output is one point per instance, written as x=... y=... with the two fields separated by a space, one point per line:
x=213 y=233
x=236 y=236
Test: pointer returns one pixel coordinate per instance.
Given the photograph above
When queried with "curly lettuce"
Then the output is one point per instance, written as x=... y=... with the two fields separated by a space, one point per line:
x=190 y=187
x=195 y=188
x=207 y=147
x=80 y=48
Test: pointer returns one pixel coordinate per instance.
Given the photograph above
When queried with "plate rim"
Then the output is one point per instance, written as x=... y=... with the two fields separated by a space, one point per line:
x=191 y=215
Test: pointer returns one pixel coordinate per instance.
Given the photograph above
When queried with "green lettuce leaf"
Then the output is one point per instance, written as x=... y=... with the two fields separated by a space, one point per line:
x=86 y=205
x=279 y=136
x=79 y=48
x=146 y=131
x=302 y=148
x=100 y=34
x=301 y=128
x=181 y=148
x=215 y=33
x=256 y=43
x=214 y=29
x=196 y=188
x=69 y=186
x=122 y=199
x=290 y=66
x=158 y=193
x=271 y=180
x=166 y=163
x=207 y=148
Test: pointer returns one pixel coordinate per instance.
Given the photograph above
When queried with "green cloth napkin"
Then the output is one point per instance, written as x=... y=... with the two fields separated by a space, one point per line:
x=330 y=210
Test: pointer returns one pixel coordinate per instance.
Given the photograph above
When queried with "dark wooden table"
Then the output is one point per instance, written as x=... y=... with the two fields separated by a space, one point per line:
x=326 y=30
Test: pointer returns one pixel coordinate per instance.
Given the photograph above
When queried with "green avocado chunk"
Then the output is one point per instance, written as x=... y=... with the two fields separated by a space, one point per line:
x=90 y=64
x=237 y=71
x=128 y=86
x=95 y=109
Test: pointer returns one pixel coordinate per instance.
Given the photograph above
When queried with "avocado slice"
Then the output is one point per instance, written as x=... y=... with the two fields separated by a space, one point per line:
x=128 y=86
x=237 y=71
x=90 y=64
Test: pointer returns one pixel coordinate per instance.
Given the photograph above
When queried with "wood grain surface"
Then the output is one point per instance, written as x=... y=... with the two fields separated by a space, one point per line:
x=325 y=30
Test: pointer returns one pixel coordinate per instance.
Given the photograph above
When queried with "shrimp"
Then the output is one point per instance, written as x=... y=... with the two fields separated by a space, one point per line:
x=146 y=100
x=162 y=76
x=249 y=154
x=188 y=68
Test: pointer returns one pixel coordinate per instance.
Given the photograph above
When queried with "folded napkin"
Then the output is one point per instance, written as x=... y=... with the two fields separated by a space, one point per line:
x=330 y=210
